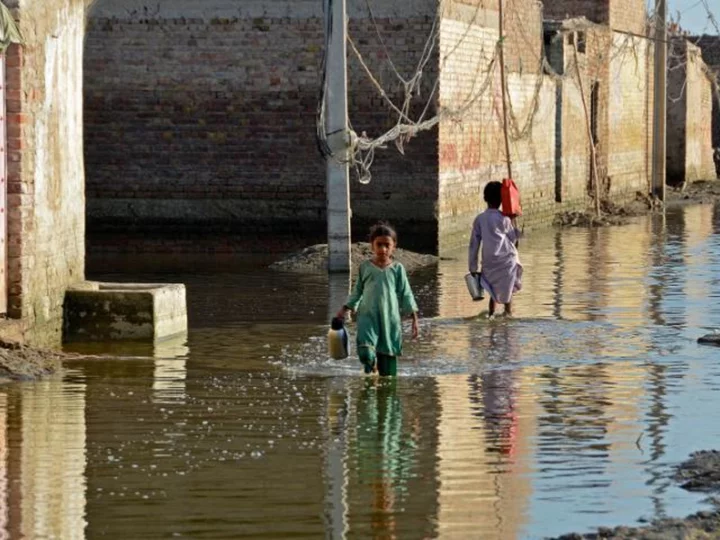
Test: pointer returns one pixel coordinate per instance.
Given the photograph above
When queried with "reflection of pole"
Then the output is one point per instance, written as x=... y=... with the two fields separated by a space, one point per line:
x=338 y=289
x=660 y=106
x=658 y=420
x=336 y=461
x=338 y=174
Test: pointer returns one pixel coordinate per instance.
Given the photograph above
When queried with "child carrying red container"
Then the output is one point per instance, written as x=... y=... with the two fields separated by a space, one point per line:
x=502 y=271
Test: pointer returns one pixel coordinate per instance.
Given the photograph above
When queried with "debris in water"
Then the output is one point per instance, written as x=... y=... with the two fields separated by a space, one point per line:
x=710 y=339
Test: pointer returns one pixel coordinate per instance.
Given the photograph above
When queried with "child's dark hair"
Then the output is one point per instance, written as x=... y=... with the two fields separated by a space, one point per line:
x=492 y=194
x=382 y=228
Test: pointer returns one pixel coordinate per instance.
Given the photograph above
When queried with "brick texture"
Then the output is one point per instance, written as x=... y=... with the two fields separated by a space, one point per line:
x=197 y=122
x=620 y=15
x=689 y=106
x=549 y=135
x=710 y=48
x=45 y=166
x=209 y=124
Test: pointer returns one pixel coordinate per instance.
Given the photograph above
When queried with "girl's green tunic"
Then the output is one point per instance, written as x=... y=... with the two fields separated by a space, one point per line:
x=380 y=297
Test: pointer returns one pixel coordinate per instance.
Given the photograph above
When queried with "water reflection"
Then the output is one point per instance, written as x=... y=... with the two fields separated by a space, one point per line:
x=566 y=418
x=43 y=460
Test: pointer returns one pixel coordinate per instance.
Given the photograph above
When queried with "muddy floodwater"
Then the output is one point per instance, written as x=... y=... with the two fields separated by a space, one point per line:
x=569 y=417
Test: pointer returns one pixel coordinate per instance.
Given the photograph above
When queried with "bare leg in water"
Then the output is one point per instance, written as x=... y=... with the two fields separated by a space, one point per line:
x=493 y=305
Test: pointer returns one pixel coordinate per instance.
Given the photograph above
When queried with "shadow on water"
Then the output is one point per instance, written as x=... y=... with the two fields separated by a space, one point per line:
x=567 y=418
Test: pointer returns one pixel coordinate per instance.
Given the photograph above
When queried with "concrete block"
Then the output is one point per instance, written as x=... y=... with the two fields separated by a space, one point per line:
x=96 y=311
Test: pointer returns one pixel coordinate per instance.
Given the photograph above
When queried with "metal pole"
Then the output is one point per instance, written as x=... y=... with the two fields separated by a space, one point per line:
x=660 y=105
x=501 y=51
x=337 y=171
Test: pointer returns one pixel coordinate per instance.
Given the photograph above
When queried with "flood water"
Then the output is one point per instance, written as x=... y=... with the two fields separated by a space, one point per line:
x=569 y=417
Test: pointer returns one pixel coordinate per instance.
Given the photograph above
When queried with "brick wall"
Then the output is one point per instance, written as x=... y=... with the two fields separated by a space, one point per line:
x=580 y=113
x=699 y=163
x=472 y=148
x=592 y=10
x=45 y=165
x=710 y=47
x=621 y=15
x=690 y=151
x=628 y=16
x=630 y=101
x=676 y=110
x=202 y=117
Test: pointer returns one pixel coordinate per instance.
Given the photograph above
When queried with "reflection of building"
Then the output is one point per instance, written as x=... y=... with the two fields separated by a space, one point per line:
x=484 y=450
x=697 y=259
x=170 y=370
x=51 y=499
x=4 y=495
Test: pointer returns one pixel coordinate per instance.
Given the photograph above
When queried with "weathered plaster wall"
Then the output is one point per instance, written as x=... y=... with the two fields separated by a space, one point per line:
x=472 y=148
x=690 y=150
x=201 y=116
x=710 y=47
x=592 y=10
x=620 y=63
x=46 y=199
x=699 y=163
x=676 y=111
x=622 y=15
x=630 y=101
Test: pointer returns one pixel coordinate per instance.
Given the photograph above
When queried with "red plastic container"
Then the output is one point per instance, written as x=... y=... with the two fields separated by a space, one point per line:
x=510 y=199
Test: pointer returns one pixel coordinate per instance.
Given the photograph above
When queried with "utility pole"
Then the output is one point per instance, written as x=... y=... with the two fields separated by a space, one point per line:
x=660 y=106
x=336 y=125
x=501 y=51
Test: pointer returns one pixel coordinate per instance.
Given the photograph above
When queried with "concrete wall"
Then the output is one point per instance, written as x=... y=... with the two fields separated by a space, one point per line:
x=690 y=95
x=200 y=116
x=46 y=199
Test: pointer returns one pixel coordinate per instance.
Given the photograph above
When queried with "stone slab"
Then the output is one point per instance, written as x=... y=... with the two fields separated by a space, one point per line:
x=98 y=311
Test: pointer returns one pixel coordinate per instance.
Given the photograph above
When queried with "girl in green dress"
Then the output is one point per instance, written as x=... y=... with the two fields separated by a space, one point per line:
x=381 y=294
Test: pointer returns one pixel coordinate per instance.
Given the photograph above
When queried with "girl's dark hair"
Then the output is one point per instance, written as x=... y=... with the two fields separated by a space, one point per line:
x=382 y=228
x=492 y=194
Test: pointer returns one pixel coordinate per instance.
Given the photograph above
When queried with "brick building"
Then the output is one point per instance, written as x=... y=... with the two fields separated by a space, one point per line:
x=710 y=47
x=201 y=116
x=45 y=177
x=689 y=118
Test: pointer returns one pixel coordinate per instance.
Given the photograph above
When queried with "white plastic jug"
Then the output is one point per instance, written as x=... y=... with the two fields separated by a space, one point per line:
x=474 y=288
x=338 y=340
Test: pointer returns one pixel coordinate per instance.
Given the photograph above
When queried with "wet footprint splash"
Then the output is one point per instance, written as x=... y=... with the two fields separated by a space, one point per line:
x=474 y=345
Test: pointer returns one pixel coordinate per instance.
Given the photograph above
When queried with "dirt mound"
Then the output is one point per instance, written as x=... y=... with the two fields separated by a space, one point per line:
x=20 y=363
x=314 y=259
x=610 y=213
x=701 y=472
x=705 y=525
